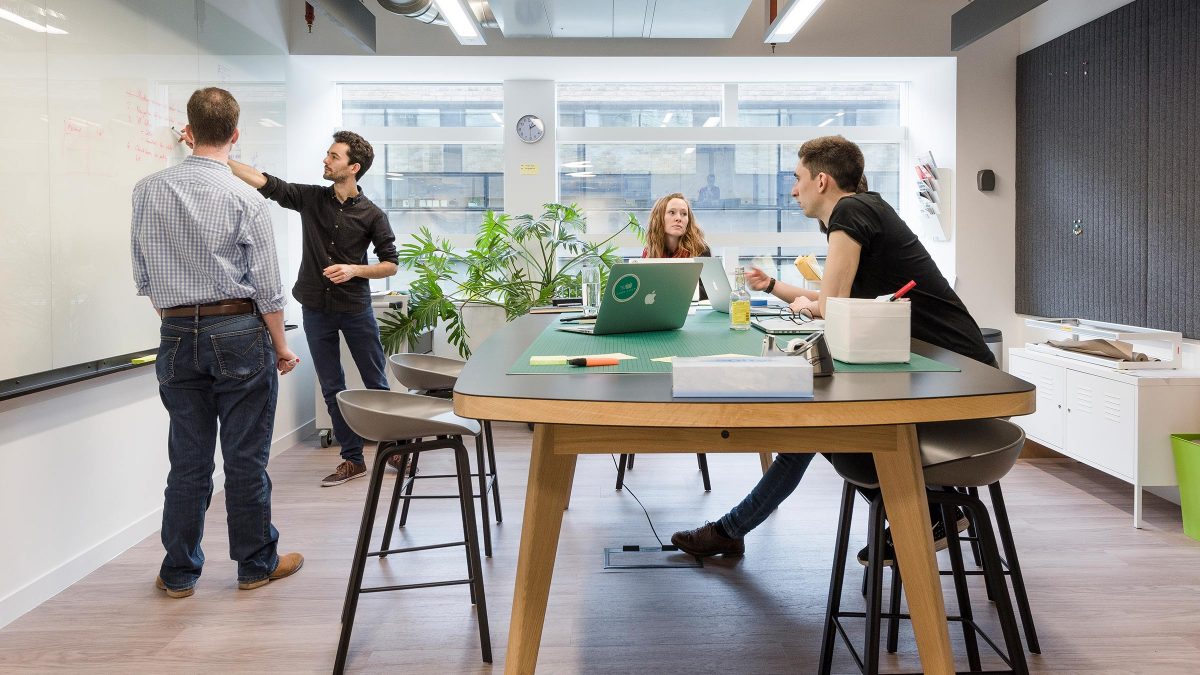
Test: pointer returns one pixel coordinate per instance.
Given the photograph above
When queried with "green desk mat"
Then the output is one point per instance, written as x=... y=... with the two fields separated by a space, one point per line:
x=705 y=333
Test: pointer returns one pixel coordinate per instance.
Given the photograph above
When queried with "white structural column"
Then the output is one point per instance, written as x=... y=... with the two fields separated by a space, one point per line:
x=530 y=169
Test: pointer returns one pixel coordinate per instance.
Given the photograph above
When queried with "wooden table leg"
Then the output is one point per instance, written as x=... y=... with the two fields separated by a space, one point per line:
x=765 y=459
x=903 y=487
x=547 y=495
x=570 y=484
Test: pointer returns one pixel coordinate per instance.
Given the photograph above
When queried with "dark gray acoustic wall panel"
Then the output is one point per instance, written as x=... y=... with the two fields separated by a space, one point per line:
x=1173 y=222
x=1081 y=245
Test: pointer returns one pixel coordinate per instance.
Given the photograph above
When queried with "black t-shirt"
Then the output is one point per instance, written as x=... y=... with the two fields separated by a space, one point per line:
x=891 y=256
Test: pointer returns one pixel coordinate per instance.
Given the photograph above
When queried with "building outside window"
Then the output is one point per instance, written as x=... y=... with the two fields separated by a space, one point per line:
x=439 y=156
x=729 y=148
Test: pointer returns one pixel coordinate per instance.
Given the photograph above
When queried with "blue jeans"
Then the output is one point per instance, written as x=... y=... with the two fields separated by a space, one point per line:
x=362 y=339
x=217 y=369
x=777 y=483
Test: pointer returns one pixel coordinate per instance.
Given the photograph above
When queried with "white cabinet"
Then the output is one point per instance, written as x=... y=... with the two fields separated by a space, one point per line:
x=1116 y=421
x=1102 y=422
x=1048 y=423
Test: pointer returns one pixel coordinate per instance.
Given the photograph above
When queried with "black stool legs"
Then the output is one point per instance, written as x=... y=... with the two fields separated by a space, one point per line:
x=1013 y=652
x=1014 y=567
x=626 y=462
x=833 y=605
x=488 y=481
x=470 y=542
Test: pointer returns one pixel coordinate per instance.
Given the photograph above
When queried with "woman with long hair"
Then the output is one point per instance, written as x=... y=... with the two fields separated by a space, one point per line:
x=673 y=232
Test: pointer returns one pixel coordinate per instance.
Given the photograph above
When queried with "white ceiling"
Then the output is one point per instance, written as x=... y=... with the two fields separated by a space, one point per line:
x=619 y=18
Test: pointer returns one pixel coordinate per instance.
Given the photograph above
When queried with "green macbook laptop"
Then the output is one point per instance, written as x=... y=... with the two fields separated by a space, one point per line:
x=644 y=297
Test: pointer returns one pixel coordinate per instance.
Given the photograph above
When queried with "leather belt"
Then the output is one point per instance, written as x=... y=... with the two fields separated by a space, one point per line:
x=218 y=308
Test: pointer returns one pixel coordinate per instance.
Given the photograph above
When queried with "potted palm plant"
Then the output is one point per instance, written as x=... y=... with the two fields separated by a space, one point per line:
x=516 y=263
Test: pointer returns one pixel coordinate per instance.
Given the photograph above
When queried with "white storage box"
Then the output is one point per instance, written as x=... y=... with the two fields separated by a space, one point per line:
x=746 y=376
x=868 y=331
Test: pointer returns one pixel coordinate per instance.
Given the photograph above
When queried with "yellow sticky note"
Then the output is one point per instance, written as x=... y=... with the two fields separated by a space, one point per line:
x=529 y=169
x=547 y=360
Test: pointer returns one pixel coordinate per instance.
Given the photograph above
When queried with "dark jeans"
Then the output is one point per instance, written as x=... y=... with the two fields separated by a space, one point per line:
x=781 y=480
x=210 y=370
x=777 y=483
x=362 y=339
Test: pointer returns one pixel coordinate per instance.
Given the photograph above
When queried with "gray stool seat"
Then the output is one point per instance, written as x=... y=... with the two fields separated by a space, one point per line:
x=964 y=453
x=425 y=372
x=381 y=415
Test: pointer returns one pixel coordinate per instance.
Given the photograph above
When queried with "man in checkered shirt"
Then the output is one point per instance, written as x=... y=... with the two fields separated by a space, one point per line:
x=204 y=253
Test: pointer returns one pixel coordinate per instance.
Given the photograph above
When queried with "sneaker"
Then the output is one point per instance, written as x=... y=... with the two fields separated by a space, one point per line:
x=171 y=592
x=345 y=471
x=940 y=541
x=288 y=565
x=706 y=541
x=394 y=463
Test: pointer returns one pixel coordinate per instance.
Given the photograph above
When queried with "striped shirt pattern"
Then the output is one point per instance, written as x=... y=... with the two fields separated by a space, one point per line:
x=199 y=234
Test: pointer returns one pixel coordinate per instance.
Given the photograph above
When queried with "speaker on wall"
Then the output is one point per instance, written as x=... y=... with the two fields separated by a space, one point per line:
x=986 y=180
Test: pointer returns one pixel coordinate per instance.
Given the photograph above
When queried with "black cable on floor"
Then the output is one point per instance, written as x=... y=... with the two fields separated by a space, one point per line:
x=625 y=486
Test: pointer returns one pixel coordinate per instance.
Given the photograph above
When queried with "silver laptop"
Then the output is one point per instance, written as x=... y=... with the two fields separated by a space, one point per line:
x=644 y=297
x=716 y=283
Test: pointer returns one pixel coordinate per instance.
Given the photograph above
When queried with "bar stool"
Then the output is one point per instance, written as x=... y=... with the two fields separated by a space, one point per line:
x=396 y=416
x=626 y=463
x=435 y=376
x=962 y=454
x=1009 y=563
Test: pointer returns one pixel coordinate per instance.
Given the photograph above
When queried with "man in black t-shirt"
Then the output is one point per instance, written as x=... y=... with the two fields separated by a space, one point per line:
x=872 y=252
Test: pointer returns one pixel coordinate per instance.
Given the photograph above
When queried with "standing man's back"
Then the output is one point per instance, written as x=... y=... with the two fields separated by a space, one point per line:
x=204 y=253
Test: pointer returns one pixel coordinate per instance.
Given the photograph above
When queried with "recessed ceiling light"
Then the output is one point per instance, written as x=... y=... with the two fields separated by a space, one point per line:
x=791 y=20
x=462 y=21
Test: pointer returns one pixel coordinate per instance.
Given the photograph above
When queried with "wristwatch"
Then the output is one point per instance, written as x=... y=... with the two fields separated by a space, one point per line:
x=770 y=285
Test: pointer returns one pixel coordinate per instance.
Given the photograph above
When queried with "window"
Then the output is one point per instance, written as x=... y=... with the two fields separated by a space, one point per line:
x=739 y=184
x=422 y=105
x=439 y=156
x=639 y=105
x=819 y=104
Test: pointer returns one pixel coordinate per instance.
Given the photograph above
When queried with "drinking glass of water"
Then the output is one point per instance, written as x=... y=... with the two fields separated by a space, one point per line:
x=590 y=276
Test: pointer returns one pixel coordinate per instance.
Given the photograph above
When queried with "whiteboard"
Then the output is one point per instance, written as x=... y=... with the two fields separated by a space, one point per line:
x=84 y=115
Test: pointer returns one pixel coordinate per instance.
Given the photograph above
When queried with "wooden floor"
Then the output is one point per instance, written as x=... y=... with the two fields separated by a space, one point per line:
x=1106 y=598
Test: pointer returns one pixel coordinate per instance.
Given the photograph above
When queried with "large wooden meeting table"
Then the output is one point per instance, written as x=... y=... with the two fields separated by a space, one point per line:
x=591 y=413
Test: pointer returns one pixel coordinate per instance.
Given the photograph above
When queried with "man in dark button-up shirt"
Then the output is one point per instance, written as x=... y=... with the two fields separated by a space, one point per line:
x=339 y=222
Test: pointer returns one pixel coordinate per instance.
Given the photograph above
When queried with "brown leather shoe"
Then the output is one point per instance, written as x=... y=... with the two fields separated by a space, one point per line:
x=171 y=592
x=288 y=565
x=706 y=541
x=345 y=471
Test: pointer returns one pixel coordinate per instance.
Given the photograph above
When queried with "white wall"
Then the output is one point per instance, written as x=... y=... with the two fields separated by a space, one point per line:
x=86 y=464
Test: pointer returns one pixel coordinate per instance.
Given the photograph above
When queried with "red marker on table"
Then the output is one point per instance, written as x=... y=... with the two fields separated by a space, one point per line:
x=903 y=289
x=594 y=361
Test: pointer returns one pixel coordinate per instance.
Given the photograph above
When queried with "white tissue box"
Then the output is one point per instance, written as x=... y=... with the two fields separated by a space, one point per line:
x=747 y=376
x=868 y=331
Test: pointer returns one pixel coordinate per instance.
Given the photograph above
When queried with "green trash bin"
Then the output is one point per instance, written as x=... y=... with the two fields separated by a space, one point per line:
x=1187 y=471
